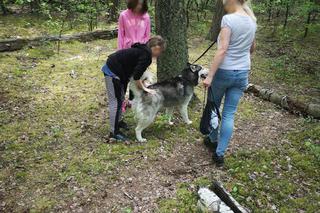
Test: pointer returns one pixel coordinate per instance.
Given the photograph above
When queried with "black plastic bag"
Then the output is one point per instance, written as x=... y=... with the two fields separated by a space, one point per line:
x=210 y=117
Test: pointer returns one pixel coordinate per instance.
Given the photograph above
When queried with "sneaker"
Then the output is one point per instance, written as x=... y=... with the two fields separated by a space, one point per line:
x=212 y=146
x=123 y=125
x=118 y=137
x=219 y=160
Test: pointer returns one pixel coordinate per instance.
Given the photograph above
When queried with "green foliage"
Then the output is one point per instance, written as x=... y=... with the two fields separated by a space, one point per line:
x=281 y=13
x=185 y=200
x=294 y=176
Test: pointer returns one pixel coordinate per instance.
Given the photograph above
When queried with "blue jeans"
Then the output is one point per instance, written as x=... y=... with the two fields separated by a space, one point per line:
x=229 y=84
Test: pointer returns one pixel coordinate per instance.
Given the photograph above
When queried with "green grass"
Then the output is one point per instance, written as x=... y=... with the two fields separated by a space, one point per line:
x=53 y=129
x=186 y=197
x=287 y=64
x=53 y=126
x=283 y=178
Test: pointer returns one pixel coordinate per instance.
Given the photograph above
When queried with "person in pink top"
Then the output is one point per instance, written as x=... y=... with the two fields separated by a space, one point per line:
x=134 y=24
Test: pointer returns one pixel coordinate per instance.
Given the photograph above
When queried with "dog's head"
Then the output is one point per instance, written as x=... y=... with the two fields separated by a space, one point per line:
x=194 y=73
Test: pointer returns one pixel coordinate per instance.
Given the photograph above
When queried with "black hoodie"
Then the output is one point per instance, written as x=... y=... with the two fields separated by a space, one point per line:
x=131 y=62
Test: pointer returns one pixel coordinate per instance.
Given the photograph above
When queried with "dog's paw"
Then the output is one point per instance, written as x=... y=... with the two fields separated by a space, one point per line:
x=142 y=140
x=189 y=122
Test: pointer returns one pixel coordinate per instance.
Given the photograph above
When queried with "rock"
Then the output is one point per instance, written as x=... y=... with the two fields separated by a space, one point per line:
x=209 y=202
x=314 y=110
x=224 y=208
x=73 y=74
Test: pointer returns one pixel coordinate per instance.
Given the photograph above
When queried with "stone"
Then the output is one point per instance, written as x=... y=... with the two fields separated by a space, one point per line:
x=209 y=202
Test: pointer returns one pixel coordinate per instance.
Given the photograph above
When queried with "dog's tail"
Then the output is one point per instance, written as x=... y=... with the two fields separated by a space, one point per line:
x=147 y=79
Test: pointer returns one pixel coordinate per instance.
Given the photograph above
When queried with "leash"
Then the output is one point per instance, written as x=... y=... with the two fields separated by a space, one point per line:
x=211 y=45
x=204 y=99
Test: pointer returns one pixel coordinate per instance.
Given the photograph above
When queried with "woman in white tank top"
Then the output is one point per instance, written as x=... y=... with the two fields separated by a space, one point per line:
x=228 y=76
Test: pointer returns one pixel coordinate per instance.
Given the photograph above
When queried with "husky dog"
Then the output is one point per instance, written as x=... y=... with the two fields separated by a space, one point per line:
x=175 y=92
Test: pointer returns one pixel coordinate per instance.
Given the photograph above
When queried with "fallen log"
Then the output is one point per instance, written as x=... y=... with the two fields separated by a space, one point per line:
x=18 y=44
x=286 y=102
x=226 y=197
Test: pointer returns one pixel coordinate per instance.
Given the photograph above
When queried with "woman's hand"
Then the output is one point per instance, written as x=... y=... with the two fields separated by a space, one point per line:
x=207 y=82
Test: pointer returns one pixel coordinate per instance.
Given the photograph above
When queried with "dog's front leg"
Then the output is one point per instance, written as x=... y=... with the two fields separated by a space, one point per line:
x=169 y=112
x=184 y=114
x=139 y=135
x=142 y=124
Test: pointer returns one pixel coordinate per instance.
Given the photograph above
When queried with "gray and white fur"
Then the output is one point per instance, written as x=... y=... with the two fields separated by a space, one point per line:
x=173 y=93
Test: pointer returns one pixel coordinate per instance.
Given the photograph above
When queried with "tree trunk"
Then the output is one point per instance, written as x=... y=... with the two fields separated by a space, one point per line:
x=171 y=24
x=189 y=2
x=3 y=8
x=286 y=102
x=287 y=15
x=114 y=10
x=18 y=44
x=35 y=6
x=307 y=24
x=269 y=10
x=216 y=21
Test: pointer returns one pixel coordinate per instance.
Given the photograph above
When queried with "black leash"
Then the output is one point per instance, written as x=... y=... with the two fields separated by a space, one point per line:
x=211 y=45
x=207 y=93
x=204 y=99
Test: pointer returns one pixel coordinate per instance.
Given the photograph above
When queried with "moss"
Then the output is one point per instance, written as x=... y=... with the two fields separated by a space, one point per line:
x=184 y=202
x=53 y=129
x=186 y=197
x=261 y=173
x=58 y=140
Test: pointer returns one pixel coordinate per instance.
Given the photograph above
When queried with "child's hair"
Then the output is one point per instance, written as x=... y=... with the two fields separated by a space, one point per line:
x=157 y=41
x=132 y=4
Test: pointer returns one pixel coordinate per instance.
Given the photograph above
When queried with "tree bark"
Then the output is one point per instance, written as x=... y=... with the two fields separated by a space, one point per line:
x=114 y=10
x=216 y=21
x=35 y=6
x=307 y=24
x=287 y=15
x=171 y=24
x=270 y=10
x=292 y=105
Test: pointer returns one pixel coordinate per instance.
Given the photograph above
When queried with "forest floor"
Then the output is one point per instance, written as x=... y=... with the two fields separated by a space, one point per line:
x=55 y=156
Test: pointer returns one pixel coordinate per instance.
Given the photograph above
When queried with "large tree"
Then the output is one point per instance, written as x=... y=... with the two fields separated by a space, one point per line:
x=3 y=7
x=216 y=20
x=114 y=10
x=171 y=24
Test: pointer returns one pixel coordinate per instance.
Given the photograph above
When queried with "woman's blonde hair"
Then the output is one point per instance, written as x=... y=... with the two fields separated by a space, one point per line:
x=246 y=7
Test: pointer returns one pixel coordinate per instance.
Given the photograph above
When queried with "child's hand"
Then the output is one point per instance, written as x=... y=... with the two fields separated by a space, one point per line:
x=150 y=91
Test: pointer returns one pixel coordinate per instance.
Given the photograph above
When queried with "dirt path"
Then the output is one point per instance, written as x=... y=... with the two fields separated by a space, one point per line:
x=141 y=186
x=143 y=182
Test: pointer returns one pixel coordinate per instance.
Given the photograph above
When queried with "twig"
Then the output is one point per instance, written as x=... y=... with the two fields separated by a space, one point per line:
x=126 y=194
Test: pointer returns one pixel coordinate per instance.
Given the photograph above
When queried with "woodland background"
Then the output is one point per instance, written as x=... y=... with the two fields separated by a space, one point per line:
x=54 y=153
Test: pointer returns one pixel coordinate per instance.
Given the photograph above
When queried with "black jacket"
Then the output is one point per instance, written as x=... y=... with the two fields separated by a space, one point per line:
x=131 y=62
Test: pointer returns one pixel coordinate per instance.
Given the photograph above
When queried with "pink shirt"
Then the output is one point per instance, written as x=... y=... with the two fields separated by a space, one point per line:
x=133 y=28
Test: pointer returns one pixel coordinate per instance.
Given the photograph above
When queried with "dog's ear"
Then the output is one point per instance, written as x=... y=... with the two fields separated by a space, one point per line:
x=188 y=64
x=193 y=68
